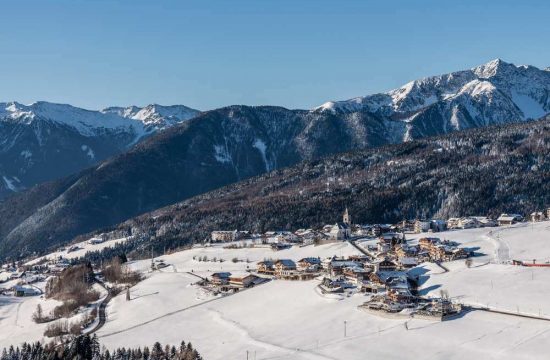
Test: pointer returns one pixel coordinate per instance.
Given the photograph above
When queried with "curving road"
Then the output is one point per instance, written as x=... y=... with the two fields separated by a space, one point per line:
x=101 y=313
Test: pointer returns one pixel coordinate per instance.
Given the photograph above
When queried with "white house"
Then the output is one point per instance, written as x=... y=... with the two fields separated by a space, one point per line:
x=340 y=231
x=421 y=226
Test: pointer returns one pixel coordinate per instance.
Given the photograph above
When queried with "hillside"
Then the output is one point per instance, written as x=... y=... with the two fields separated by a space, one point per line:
x=234 y=143
x=476 y=172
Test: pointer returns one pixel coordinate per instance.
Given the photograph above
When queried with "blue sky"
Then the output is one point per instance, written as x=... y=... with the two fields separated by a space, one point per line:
x=293 y=53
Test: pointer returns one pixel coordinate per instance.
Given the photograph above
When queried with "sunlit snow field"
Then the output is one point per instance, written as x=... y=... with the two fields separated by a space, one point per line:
x=292 y=320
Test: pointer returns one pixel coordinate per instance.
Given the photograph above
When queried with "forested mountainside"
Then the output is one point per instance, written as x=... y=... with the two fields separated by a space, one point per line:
x=230 y=144
x=475 y=172
x=45 y=141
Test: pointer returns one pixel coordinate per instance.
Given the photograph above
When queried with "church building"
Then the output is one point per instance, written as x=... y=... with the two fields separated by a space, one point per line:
x=342 y=231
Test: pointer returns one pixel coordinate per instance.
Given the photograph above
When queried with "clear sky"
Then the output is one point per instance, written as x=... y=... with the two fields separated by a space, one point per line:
x=293 y=53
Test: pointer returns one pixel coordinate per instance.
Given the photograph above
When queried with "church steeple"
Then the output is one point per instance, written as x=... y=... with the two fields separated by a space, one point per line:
x=346 y=218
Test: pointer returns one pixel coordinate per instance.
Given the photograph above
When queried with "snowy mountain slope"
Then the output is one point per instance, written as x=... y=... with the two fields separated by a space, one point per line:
x=230 y=144
x=492 y=93
x=45 y=141
x=154 y=116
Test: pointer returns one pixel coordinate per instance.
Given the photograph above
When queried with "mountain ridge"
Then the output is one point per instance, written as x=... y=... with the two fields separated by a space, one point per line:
x=509 y=91
x=222 y=146
x=45 y=141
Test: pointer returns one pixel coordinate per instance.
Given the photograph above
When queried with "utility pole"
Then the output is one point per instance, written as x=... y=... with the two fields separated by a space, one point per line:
x=152 y=259
x=345 y=328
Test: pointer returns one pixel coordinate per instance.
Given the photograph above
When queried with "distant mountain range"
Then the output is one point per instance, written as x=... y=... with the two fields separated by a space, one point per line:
x=45 y=141
x=226 y=145
x=493 y=93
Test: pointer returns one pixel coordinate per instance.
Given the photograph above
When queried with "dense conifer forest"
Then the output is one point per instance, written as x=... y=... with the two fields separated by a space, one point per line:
x=89 y=348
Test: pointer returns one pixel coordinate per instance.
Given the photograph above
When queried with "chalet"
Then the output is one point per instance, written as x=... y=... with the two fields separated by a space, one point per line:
x=309 y=236
x=242 y=280
x=330 y=286
x=400 y=295
x=406 y=225
x=287 y=236
x=309 y=264
x=468 y=223
x=427 y=242
x=266 y=267
x=356 y=274
x=407 y=262
x=284 y=267
x=336 y=267
x=484 y=221
x=374 y=284
x=537 y=216
x=509 y=219
x=384 y=264
x=404 y=250
x=220 y=278
x=441 y=252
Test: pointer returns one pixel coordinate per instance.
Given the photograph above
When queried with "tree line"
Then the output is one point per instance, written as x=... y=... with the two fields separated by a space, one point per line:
x=88 y=347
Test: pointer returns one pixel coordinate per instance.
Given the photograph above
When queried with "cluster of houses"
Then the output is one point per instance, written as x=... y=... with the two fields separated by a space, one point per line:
x=346 y=230
x=19 y=279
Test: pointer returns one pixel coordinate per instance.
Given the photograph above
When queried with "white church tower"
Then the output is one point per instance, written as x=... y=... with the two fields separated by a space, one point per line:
x=346 y=218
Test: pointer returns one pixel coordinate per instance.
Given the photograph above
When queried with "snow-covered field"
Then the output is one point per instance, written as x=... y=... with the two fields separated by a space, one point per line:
x=81 y=249
x=16 y=324
x=291 y=320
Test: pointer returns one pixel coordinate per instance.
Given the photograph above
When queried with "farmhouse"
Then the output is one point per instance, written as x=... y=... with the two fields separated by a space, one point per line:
x=336 y=267
x=242 y=280
x=220 y=278
x=427 y=242
x=309 y=264
x=266 y=267
x=408 y=262
x=356 y=274
x=509 y=219
x=384 y=264
x=284 y=267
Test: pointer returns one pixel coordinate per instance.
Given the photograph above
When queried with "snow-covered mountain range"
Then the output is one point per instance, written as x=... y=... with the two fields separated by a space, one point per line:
x=493 y=93
x=44 y=141
x=47 y=141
